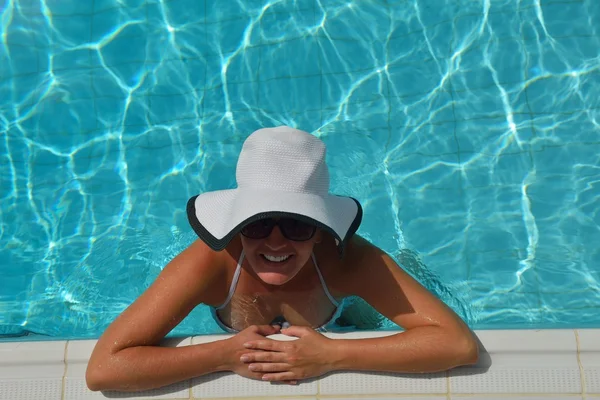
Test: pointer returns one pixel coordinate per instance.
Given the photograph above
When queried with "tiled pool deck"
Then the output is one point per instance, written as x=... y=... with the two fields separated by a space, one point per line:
x=527 y=364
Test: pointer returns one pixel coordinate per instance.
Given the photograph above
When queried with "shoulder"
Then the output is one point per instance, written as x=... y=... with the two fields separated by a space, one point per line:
x=361 y=247
x=209 y=271
x=344 y=273
x=359 y=254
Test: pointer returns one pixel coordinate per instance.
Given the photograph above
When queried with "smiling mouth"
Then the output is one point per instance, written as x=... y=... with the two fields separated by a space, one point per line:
x=276 y=259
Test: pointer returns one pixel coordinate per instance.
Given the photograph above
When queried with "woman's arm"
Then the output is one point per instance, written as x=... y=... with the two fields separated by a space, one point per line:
x=435 y=338
x=127 y=356
x=148 y=367
x=418 y=350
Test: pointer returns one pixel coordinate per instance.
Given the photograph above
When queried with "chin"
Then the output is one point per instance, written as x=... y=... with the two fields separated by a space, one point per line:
x=276 y=274
x=275 y=279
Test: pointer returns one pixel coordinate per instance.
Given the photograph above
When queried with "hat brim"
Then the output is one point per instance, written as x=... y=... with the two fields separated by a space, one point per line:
x=218 y=216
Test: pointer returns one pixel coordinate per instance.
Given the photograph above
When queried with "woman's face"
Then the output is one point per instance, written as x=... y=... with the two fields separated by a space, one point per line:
x=275 y=259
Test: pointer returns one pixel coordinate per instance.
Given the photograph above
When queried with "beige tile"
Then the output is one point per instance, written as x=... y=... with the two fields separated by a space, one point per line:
x=225 y=384
x=360 y=335
x=366 y=383
x=403 y=397
x=213 y=338
x=30 y=388
x=512 y=381
x=521 y=362
x=589 y=355
x=32 y=359
x=78 y=354
x=209 y=338
x=512 y=397
x=543 y=361
x=76 y=389
x=332 y=335
x=589 y=340
x=550 y=347
x=31 y=370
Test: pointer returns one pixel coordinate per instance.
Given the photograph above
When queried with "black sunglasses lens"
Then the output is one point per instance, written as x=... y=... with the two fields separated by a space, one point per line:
x=259 y=229
x=296 y=230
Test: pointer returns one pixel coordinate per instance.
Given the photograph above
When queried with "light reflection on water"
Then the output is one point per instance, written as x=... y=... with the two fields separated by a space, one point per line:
x=467 y=129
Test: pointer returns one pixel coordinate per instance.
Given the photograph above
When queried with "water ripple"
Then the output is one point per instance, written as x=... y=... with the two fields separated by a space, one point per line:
x=467 y=129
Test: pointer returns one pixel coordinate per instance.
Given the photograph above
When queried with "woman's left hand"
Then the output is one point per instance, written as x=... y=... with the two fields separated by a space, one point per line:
x=290 y=361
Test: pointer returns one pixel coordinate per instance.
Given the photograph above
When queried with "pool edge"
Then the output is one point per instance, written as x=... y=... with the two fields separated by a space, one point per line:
x=513 y=363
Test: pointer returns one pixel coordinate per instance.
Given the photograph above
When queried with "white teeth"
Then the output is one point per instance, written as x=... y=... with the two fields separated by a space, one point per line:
x=275 y=258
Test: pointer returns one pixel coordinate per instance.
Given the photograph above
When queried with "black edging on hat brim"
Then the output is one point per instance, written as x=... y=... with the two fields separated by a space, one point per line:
x=220 y=244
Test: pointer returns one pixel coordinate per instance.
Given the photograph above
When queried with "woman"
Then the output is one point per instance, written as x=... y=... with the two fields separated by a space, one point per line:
x=278 y=254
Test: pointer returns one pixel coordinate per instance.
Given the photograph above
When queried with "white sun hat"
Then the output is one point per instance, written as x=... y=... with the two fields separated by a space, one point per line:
x=281 y=172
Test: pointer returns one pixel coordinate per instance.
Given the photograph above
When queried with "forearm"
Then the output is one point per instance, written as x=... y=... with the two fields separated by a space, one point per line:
x=419 y=350
x=149 y=367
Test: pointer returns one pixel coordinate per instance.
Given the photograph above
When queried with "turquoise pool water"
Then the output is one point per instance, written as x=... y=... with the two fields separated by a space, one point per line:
x=468 y=129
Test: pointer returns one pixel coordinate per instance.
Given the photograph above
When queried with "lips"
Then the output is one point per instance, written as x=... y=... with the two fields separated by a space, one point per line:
x=272 y=259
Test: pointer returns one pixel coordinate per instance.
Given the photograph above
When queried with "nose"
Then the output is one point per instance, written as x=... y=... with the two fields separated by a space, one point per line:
x=276 y=240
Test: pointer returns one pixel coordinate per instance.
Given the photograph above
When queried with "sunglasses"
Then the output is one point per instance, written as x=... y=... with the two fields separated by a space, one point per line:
x=291 y=229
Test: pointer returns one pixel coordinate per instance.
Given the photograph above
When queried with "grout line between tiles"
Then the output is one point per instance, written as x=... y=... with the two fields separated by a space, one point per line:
x=581 y=369
x=64 y=378
x=448 y=391
x=318 y=387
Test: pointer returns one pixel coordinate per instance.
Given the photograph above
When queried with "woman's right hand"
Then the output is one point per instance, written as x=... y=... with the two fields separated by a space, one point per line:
x=236 y=348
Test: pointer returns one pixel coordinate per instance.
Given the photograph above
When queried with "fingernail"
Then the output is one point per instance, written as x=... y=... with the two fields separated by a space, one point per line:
x=247 y=345
x=253 y=367
x=244 y=358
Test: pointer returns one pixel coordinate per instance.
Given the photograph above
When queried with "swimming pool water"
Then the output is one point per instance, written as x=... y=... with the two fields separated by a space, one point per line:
x=468 y=129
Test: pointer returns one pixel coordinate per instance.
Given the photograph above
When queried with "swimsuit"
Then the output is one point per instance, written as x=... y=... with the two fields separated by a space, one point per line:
x=279 y=320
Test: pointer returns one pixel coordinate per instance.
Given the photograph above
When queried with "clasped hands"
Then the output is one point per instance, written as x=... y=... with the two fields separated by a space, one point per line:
x=259 y=357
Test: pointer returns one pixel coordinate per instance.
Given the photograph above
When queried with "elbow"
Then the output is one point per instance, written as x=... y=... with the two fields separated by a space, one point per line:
x=95 y=378
x=469 y=352
x=93 y=382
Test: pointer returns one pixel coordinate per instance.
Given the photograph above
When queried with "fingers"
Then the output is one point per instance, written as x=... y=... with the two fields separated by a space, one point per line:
x=268 y=345
x=298 y=331
x=265 y=330
x=263 y=356
x=269 y=367
x=279 y=376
